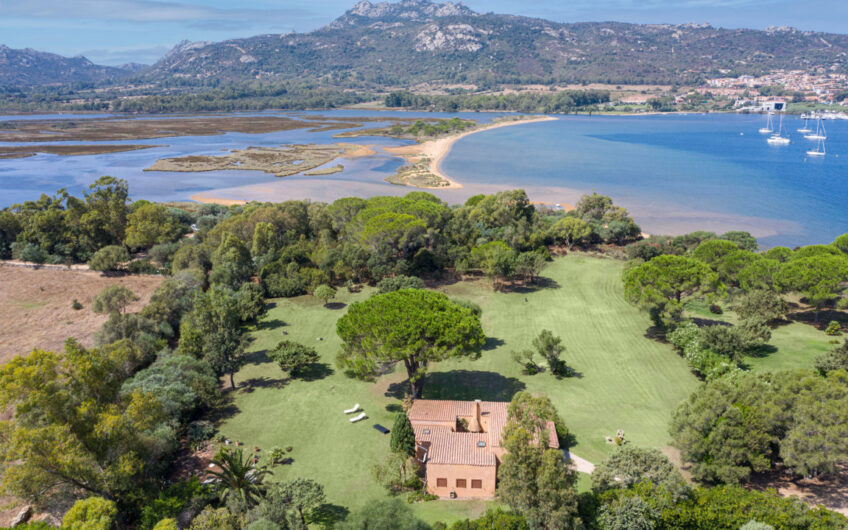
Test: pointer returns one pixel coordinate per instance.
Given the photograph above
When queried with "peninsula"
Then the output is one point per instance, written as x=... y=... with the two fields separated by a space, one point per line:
x=425 y=158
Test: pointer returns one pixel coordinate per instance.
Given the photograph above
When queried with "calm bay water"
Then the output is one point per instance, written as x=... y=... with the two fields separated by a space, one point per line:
x=675 y=173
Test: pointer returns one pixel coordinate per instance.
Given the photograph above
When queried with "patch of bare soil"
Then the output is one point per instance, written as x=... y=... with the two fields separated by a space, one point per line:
x=36 y=312
x=193 y=461
x=829 y=491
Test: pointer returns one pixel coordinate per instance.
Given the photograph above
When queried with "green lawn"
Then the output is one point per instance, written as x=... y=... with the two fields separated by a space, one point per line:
x=792 y=345
x=627 y=380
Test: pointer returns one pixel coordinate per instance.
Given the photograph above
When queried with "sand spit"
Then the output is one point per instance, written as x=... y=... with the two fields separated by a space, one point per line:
x=432 y=152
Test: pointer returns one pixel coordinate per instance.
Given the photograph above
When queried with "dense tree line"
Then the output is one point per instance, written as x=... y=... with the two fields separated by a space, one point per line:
x=666 y=273
x=739 y=423
x=553 y=102
x=173 y=96
x=746 y=423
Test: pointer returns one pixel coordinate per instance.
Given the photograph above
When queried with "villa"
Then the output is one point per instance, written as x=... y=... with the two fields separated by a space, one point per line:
x=459 y=443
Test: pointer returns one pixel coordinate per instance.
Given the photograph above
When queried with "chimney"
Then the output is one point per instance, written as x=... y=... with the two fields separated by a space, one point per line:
x=474 y=425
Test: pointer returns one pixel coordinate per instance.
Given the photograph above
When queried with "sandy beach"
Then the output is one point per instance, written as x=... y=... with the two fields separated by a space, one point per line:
x=437 y=150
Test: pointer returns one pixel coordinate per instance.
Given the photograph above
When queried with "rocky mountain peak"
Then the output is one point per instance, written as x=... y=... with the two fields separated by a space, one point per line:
x=413 y=10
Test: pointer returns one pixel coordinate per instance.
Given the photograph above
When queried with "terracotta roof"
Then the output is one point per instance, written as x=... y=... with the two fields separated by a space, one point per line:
x=435 y=410
x=449 y=447
x=553 y=439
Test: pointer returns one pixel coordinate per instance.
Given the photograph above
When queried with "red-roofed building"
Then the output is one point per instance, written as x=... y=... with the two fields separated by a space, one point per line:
x=459 y=443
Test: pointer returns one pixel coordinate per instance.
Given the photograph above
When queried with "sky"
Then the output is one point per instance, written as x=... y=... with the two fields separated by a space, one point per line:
x=121 y=31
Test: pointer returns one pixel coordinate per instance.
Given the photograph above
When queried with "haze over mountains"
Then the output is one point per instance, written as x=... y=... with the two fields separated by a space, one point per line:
x=396 y=44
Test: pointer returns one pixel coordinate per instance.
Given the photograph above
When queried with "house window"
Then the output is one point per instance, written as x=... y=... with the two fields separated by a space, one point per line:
x=460 y=483
x=441 y=483
x=476 y=484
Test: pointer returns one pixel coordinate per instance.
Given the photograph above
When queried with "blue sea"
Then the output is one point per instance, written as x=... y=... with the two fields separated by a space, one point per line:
x=675 y=173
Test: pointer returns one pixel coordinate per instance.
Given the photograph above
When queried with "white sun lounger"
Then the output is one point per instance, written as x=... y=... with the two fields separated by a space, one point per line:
x=357 y=418
x=352 y=410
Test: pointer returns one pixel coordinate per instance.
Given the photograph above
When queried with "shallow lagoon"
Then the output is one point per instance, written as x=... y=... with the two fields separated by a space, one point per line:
x=676 y=173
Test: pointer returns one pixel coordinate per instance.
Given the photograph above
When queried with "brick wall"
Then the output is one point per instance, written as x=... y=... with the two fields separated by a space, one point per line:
x=450 y=474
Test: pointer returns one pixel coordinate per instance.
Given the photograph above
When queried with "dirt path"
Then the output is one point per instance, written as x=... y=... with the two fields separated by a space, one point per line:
x=580 y=464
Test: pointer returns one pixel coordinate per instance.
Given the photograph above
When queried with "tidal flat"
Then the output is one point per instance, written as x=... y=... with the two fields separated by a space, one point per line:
x=281 y=161
x=23 y=151
x=118 y=129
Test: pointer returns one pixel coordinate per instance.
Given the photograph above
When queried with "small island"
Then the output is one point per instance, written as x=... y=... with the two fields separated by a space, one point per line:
x=279 y=161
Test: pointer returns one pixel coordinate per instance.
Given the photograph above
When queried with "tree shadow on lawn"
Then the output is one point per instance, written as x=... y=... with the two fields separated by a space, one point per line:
x=825 y=317
x=492 y=343
x=708 y=322
x=315 y=372
x=761 y=351
x=335 y=305
x=656 y=333
x=463 y=385
x=223 y=412
x=540 y=283
x=248 y=386
x=327 y=515
x=257 y=357
x=270 y=324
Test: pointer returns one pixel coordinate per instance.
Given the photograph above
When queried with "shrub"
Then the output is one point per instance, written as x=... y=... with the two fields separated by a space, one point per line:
x=325 y=293
x=716 y=309
x=689 y=340
x=276 y=455
x=200 y=430
x=396 y=283
x=113 y=299
x=29 y=252
x=421 y=496
x=550 y=347
x=281 y=286
x=76 y=305
x=833 y=328
x=762 y=304
x=836 y=359
x=293 y=357
x=108 y=258
x=142 y=266
x=163 y=252
x=403 y=437
x=94 y=513
x=525 y=359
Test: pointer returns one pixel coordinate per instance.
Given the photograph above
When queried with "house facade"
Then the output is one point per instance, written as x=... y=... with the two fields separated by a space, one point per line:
x=459 y=444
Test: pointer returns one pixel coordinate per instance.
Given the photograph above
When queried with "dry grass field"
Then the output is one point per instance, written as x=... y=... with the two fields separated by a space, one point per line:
x=36 y=312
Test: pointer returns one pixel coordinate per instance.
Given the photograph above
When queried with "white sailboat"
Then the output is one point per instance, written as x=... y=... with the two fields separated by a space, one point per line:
x=806 y=128
x=820 y=133
x=778 y=138
x=769 y=128
x=819 y=150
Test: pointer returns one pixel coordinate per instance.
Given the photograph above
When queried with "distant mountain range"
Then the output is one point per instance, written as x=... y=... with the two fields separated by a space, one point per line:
x=30 y=67
x=412 y=41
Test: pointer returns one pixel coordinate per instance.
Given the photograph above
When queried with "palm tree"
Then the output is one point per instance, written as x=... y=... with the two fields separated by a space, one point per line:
x=238 y=477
